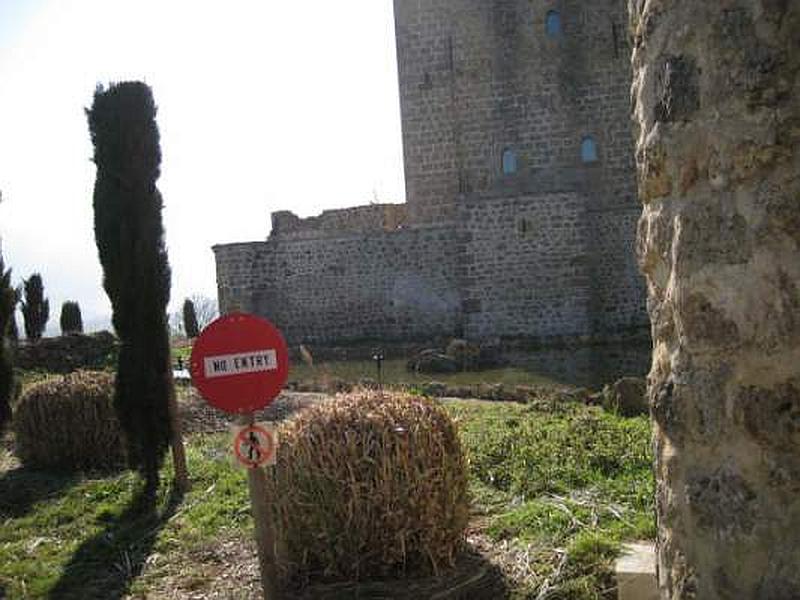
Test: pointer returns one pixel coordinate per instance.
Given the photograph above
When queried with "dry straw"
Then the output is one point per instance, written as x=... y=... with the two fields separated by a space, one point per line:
x=370 y=485
x=68 y=423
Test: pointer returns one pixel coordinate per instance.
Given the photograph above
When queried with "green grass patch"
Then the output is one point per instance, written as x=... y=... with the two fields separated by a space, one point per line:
x=571 y=483
x=79 y=537
x=529 y=451
x=183 y=352
x=564 y=485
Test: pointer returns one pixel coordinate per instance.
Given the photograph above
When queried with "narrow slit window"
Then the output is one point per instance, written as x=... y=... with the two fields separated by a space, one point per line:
x=509 y=162
x=588 y=150
x=552 y=23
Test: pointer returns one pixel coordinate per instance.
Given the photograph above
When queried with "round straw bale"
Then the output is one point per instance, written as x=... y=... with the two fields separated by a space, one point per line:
x=68 y=423
x=369 y=485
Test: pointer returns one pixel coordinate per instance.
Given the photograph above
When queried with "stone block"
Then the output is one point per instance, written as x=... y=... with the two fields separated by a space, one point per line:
x=636 y=572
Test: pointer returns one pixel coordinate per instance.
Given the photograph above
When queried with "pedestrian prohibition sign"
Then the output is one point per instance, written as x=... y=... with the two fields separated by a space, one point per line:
x=254 y=445
x=239 y=363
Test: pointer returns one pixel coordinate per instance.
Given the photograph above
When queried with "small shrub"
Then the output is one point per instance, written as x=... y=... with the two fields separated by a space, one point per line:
x=69 y=423
x=35 y=307
x=370 y=485
x=190 y=319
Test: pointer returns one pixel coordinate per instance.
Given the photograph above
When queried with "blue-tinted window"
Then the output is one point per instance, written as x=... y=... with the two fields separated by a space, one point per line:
x=588 y=150
x=552 y=23
x=509 y=162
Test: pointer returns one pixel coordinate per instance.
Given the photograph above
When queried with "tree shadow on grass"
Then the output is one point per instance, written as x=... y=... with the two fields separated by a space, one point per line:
x=105 y=565
x=21 y=488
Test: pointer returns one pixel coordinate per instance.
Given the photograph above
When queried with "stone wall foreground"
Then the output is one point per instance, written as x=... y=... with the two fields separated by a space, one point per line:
x=717 y=102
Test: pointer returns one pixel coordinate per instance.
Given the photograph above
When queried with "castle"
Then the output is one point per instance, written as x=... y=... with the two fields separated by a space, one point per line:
x=521 y=206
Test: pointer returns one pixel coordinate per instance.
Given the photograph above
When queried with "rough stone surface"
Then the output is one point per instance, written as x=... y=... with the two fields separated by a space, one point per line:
x=544 y=251
x=636 y=572
x=716 y=93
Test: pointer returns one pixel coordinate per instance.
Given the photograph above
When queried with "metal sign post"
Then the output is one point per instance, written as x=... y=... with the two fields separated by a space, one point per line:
x=378 y=357
x=264 y=527
x=240 y=364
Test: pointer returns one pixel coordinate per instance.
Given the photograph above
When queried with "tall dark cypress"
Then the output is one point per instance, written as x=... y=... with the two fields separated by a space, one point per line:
x=130 y=242
x=35 y=307
x=190 y=319
x=71 y=320
x=8 y=303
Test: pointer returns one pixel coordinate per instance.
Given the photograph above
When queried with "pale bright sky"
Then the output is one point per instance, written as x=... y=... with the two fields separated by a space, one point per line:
x=263 y=105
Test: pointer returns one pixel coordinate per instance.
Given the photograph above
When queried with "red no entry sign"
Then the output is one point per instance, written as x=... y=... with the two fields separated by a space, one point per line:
x=239 y=363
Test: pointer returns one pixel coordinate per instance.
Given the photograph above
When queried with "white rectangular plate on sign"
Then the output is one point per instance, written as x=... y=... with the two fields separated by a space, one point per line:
x=243 y=362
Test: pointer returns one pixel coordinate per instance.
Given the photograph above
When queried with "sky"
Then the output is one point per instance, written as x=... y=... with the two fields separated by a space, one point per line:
x=262 y=106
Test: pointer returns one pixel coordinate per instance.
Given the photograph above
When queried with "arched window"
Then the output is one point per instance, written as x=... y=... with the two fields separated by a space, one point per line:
x=552 y=23
x=509 y=162
x=588 y=150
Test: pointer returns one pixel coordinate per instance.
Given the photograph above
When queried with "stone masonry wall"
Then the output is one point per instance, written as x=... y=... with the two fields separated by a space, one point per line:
x=540 y=265
x=369 y=218
x=394 y=285
x=522 y=266
x=526 y=268
x=717 y=91
x=477 y=78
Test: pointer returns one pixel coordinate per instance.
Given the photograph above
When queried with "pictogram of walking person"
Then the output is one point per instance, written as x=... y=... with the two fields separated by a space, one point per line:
x=254 y=447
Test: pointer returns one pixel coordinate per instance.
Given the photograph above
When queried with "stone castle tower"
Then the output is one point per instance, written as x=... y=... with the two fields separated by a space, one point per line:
x=521 y=192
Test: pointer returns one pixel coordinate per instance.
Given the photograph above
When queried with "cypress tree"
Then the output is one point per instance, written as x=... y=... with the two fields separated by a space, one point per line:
x=35 y=307
x=190 y=319
x=71 y=319
x=8 y=302
x=136 y=273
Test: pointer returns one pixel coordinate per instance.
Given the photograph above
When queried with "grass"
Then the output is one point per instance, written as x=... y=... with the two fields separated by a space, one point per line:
x=184 y=352
x=84 y=537
x=555 y=490
x=568 y=484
